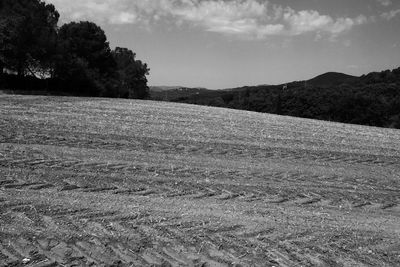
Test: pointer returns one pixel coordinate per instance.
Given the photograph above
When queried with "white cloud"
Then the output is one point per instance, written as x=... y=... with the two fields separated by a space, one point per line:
x=100 y=11
x=306 y=21
x=311 y=21
x=247 y=18
x=385 y=2
x=391 y=14
x=123 y=18
x=233 y=17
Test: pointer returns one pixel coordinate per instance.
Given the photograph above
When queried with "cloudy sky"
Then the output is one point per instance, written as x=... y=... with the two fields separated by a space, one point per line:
x=230 y=43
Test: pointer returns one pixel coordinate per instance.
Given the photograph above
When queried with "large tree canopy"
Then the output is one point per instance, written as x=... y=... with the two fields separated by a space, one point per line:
x=131 y=74
x=87 y=41
x=74 y=59
x=28 y=31
x=85 y=62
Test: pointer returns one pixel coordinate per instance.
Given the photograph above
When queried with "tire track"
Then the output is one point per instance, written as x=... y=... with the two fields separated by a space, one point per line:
x=211 y=243
x=162 y=145
x=220 y=192
x=51 y=234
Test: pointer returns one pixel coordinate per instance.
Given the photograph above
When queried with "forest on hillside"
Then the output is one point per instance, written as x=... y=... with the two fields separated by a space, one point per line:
x=372 y=99
x=76 y=59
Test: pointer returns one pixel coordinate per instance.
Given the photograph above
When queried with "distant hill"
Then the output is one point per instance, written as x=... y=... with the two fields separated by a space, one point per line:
x=372 y=99
x=173 y=93
x=331 y=79
x=163 y=88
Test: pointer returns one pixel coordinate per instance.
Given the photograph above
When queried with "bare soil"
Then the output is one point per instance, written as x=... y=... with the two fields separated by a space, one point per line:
x=102 y=182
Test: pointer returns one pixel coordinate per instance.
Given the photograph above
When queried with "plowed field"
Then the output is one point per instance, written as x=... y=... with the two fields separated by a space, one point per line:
x=102 y=182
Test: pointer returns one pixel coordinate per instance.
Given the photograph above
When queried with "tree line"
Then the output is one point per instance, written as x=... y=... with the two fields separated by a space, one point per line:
x=76 y=58
x=372 y=99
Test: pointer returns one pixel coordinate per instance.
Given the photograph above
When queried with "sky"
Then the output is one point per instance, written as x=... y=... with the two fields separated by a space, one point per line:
x=221 y=44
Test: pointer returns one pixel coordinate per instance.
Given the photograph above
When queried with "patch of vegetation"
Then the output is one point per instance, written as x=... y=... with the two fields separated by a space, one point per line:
x=75 y=59
x=372 y=99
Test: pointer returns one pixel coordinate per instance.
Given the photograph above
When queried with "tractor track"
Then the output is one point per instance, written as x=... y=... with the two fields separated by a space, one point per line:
x=112 y=238
x=217 y=149
x=76 y=192
x=222 y=192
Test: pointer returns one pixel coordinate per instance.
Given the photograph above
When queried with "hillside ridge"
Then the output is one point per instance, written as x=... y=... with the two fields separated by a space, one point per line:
x=331 y=78
x=372 y=99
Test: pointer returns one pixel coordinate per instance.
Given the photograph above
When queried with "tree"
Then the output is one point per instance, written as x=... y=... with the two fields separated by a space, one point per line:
x=131 y=74
x=85 y=63
x=75 y=59
x=28 y=31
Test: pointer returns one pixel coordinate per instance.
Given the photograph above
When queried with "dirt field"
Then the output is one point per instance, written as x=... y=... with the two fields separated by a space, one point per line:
x=100 y=182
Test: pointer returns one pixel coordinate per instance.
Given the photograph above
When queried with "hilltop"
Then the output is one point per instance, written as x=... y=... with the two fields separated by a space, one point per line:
x=170 y=93
x=163 y=88
x=331 y=79
x=173 y=93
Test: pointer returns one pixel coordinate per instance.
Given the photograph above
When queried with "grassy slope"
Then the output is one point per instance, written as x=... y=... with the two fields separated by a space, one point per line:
x=100 y=180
